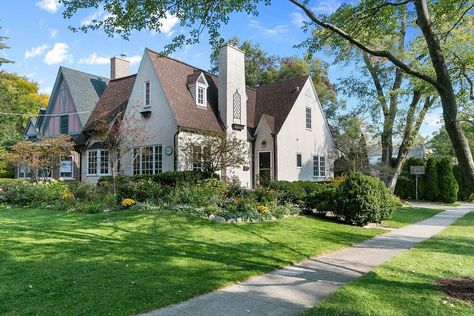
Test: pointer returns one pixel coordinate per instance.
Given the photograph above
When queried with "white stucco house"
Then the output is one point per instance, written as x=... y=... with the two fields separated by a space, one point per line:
x=168 y=100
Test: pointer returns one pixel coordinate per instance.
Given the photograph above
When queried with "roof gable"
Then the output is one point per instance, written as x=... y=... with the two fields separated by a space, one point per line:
x=113 y=101
x=174 y=76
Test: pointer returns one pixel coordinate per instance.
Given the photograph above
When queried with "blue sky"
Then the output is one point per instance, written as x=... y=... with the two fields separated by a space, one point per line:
x=40 y=41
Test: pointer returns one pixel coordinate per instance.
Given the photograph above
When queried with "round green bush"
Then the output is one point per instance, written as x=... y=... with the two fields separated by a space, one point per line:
x=364 y=199
x=447 y=184
x=464 y=193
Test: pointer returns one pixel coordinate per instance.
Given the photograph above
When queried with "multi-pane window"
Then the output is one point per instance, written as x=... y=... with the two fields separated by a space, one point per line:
x=147 y=93
x=65 y=169
x=237 y=100
x=319 y=166
x=104 y=162
x=98 y=162
x=24 y=171
x=147 y=160
x=299 y=160
x=200 y=96
x=201 y=158
x=64 y=124
x=308 y=118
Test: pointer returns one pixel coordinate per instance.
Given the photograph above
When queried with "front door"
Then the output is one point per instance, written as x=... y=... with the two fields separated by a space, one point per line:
x=264 y=167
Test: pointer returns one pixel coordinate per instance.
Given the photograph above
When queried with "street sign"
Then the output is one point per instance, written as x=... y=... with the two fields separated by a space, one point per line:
x=417 y=169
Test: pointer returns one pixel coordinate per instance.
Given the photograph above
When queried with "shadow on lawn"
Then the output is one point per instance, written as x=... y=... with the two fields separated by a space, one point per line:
x=123 y=263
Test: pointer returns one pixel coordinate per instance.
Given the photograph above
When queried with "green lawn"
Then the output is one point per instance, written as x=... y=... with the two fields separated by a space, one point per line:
x=404 y=285
x=121 y=262
x=408 y=215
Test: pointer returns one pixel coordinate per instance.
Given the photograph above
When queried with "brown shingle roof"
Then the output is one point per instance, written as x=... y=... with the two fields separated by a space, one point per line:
x=173 y=75
x=276 y=100
x=113 y=100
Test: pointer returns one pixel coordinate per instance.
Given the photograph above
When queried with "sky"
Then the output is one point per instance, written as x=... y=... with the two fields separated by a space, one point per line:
x=40 y=41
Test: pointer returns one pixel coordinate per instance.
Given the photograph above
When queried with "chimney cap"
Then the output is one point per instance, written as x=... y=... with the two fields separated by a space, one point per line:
x=232 y=45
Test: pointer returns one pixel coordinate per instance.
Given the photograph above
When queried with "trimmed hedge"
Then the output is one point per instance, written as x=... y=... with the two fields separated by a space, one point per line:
x=431 y=179
x=447 y=184
x=364 y=199
x=406 y=186
x=464 y=193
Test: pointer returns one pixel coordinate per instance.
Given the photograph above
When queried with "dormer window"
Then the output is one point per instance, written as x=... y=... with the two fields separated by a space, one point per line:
x=197 y=85
x=201 y=91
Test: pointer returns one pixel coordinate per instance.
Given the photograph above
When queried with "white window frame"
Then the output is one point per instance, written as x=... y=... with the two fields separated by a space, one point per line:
x=27 y=169
x=203 y=88
x=98 y=172
x=72 y=169
x=145 y=94
x=310 y=118
x=155 y=169
x=301 y=155
x=319 y=164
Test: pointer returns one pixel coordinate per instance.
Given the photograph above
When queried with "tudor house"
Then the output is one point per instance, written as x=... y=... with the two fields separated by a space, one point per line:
x=169 y=101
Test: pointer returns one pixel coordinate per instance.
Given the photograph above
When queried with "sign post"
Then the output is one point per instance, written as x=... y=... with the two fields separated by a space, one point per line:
x=417 y=171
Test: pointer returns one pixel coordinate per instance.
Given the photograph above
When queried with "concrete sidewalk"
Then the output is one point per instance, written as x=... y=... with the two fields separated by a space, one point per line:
x=291 y=290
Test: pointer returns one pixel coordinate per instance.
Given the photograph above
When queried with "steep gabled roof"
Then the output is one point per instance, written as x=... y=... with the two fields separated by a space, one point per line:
x=277 y=100
x=85 y=90
x=113 y=100
x=173 y=75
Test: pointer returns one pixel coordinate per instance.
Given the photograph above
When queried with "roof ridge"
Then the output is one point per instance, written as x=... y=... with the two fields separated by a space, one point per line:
x=125 y=77
x=83 y=72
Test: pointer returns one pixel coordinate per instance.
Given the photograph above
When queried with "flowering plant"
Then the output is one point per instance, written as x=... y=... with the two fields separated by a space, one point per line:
x=127 y=202
x=262 y=209
x=67 y=195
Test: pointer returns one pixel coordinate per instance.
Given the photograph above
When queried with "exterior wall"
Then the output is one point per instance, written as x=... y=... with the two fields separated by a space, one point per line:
x=76 y=162
x=232 y=80
x=264 y=142
x=62 y=103
x=294 y=138
x=158 y=129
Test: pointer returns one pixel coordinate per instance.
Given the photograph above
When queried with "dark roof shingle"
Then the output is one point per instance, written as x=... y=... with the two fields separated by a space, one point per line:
x=114 y=100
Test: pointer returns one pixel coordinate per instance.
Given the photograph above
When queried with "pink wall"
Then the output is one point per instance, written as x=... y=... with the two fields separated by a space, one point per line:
x=63 y=104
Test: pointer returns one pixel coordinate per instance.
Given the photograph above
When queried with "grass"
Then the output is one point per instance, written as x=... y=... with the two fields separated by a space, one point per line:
x=404 y=285
x=121 y=263
x=409 y=215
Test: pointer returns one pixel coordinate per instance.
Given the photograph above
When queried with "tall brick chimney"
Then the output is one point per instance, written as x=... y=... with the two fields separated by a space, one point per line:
x=119 y=67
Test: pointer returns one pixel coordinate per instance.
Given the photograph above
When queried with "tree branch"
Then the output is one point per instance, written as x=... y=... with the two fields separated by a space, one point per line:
x=377 y=83
x=379 y=53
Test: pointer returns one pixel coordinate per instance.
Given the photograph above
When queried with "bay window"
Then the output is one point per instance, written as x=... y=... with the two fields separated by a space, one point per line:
x=98 y=162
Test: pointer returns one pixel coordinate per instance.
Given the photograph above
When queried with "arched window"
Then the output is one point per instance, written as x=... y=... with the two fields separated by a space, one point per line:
x=237 y=108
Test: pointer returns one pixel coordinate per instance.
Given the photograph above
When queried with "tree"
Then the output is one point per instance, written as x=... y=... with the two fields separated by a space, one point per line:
x=438 y=29
x=441 y=145
x=262 y=68
x=214 y=152
x=431 y=179
x=4 y=46
x=41 y=156
x=447 y=184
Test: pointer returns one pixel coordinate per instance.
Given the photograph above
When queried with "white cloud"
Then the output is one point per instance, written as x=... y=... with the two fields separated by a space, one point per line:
x=49 y=5
x=326 y=6
x=35 y=51
x=94 y=59
x=298 y=19
x=98 y=15
x=273 y=31
x=167 y=25
x=46 y=90
x=135 y=59
x=53 y=33
x=58 y=54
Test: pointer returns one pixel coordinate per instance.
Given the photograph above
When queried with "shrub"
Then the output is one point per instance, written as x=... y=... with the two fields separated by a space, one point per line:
x=406 y=184
x=464 y=193
x=289 y=192
x=363 y=199
x=431 y=179
x=323 y=197
x=447 y=184
x=32 y=193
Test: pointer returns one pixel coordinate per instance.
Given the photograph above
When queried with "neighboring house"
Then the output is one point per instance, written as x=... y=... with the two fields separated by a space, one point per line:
x=170 y=101
x=33 y=128
x=375 y=156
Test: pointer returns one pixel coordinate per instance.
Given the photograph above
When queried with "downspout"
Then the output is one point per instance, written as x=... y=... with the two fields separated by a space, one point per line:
x=275 y=160
x=252 y=170
x=80 y=167
x=175 y=149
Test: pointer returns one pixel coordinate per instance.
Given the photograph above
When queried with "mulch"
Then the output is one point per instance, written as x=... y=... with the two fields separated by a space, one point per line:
x=460 y=288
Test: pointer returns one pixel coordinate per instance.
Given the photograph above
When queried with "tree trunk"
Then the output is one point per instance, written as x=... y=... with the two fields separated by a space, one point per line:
x=446 y=92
